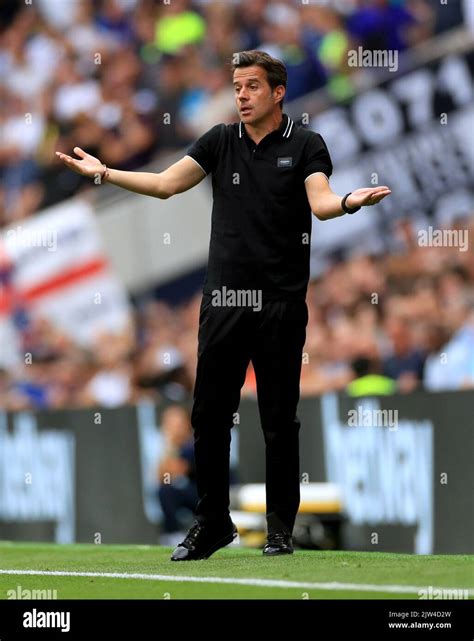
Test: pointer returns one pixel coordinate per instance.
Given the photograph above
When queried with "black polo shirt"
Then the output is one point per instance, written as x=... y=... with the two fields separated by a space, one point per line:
x=261 y=217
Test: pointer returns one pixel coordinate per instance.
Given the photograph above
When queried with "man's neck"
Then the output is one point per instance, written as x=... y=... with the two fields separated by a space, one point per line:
x=259 y=130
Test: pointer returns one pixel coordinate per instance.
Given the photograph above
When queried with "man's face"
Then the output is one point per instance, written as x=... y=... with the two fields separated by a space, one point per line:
x=254 y=97
x=175 y=424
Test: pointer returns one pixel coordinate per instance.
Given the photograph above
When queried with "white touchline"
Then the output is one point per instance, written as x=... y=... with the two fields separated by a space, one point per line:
x=268 y=583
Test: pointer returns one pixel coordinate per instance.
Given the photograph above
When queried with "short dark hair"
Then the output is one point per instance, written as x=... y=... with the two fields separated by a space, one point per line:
x=276 y=70
x=362 y=366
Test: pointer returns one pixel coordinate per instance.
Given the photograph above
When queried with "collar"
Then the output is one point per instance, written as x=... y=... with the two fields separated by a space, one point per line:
x=285 y=128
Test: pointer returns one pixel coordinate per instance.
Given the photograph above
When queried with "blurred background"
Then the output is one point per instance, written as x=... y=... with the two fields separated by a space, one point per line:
x=100 y=289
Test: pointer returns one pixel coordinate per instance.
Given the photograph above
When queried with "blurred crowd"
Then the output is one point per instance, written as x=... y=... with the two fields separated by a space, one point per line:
x=408 y=316
x=127 y=79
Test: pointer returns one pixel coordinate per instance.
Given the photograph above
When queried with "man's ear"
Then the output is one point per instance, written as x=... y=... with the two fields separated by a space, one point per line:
x=279 y=92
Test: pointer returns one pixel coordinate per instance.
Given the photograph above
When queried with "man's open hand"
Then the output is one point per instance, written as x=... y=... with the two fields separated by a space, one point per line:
x=88 y=165
x=367 y=196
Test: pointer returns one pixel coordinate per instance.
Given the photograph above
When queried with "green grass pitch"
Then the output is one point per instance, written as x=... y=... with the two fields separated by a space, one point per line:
x=247 y=574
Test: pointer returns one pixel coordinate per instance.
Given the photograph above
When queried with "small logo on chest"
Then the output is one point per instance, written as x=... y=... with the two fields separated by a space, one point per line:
x=287 y=161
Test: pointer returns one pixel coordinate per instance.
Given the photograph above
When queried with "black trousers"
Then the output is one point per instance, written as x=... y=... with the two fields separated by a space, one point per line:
x=273 y=339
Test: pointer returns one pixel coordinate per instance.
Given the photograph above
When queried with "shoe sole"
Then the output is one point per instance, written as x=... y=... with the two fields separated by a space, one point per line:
x=276 y=553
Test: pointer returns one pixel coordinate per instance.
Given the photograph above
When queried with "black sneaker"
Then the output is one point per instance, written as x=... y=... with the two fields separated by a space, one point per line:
x=203 y=540
x=278 y=543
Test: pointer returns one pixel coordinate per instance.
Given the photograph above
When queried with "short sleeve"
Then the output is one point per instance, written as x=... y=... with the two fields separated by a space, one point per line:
x=317 y=158
x=205 y=150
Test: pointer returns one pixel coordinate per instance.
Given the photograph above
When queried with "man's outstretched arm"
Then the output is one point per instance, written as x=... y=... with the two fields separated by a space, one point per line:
x=325 y=204
x=179 y=177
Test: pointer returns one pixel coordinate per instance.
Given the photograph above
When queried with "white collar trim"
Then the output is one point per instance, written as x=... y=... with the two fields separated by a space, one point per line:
x=286 y=133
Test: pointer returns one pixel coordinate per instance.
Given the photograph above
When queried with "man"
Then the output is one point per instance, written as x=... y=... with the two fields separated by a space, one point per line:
x=268 y=174
x=175 y=474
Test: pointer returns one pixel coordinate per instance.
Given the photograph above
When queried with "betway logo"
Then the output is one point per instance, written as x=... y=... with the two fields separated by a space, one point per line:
x=385 y=474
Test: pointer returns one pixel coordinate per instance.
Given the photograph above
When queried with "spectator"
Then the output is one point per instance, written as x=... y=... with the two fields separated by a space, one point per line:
x=326 y=35
x=368 y=381
x=385 y=25
x=127 y=79
x=405 y=363
x=450 y=365
x=284 y=40
x=111 y=384
x=21 y=191
x=178 y=27
x=177 y=491
x=159 y=69
x=422 y=309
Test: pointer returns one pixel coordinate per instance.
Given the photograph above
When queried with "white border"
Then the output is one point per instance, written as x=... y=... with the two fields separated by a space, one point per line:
x=270 y=583
x=188 y=156
x=314 y=174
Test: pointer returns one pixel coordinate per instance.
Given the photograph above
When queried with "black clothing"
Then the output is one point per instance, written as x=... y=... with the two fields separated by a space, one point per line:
x=261 y=218
x=260 y=242
x=228 y=338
